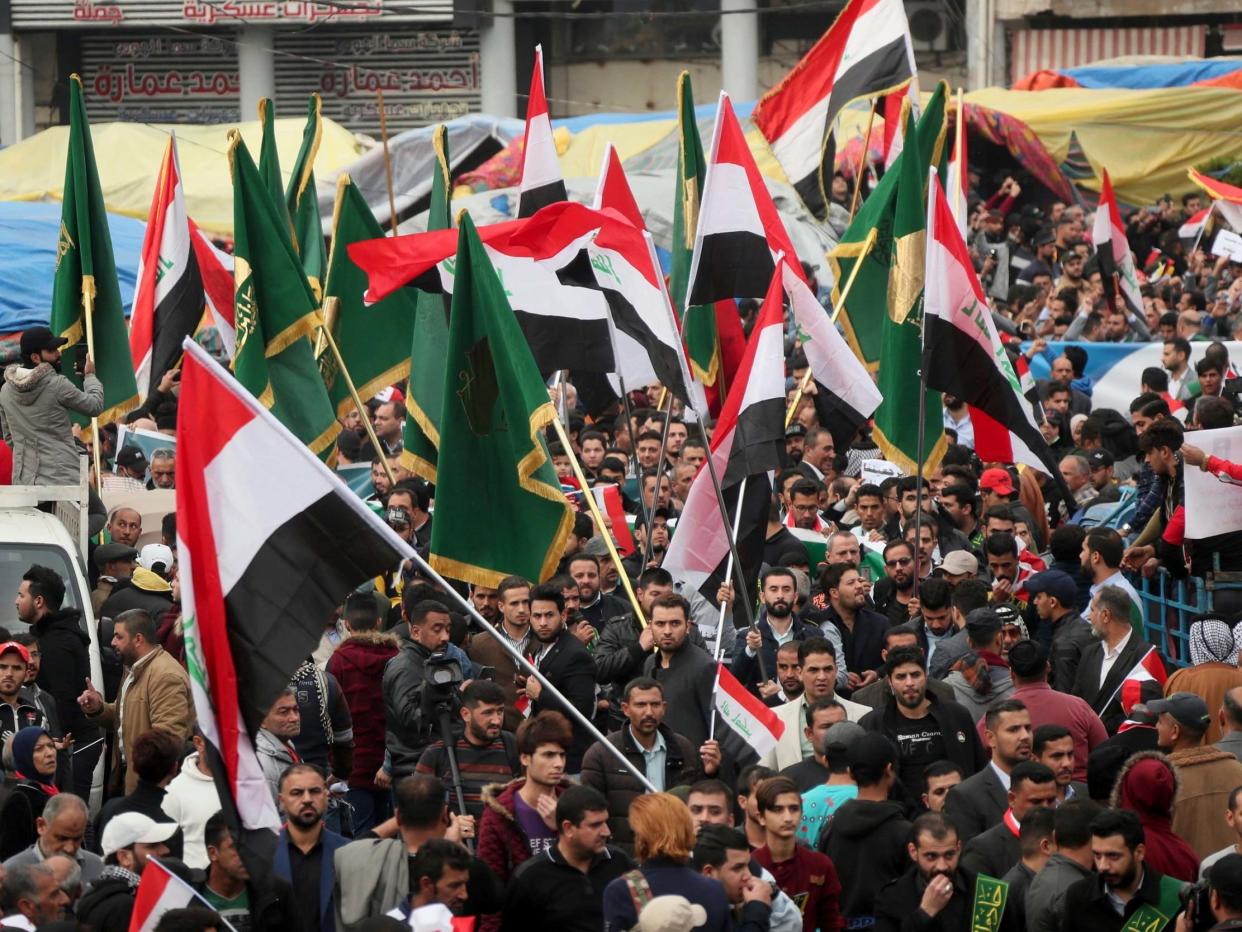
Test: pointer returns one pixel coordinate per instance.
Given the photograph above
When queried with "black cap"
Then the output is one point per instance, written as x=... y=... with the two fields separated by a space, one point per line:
x=1056 y=583
x=1189 y=709
x=872 y=752
x=795 y=430
x=38 y=339
x=982 y=622
x=112 y=551
x=132 y=458
x=1100 y=459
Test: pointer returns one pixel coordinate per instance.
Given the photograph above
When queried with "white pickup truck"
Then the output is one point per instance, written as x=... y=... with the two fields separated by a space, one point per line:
x=30 y=535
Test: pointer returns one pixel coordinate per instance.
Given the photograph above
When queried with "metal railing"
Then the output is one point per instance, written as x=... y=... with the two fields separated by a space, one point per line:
x=1169 y=606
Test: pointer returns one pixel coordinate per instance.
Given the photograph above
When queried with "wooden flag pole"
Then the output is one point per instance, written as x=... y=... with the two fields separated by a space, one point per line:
x=392 y=201
x=380 y=450
x=88 y=319
x=862 y=159
x=589 y=496
x=836 y=311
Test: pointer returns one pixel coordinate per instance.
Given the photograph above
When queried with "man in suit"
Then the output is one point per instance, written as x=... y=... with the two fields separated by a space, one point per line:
x=818 y=658
x=305 y=849
x=979 y=802
x=1108 y=662
x=562 y=658
x=995 y=851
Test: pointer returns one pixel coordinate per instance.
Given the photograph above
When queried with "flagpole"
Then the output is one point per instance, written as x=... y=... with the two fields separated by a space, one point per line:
x=526 y=666
x=739 y=594
x=622 y=576
x=932 y=182
x=724 y=606
x=380 y=450
x=88 y=316
x=392 y=201
x=862 y=159
x=655 y=493
x=711 y=727
x=868 y=242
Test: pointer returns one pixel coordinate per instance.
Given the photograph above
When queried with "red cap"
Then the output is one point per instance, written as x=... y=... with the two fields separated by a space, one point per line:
x=996 y=480
x=13 y=645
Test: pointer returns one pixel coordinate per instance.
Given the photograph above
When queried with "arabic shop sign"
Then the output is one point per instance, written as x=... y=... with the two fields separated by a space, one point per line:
x=59 y=14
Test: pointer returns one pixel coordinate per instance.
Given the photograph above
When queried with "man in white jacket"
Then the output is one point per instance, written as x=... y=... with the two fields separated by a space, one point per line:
x=191 y=799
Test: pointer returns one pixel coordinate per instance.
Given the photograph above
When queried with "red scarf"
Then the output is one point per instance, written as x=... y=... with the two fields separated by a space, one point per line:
x=47 y=788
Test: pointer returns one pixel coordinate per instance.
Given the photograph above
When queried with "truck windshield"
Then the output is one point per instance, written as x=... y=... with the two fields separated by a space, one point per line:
x=15 y=559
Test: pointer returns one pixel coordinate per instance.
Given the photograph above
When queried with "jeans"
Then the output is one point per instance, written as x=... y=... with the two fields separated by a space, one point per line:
x=371 y=807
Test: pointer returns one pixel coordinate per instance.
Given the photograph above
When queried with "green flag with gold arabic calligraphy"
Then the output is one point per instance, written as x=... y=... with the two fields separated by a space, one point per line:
x=500 y=510
x=989 y=905
x=275 y=310
x=85 y=275
x=302 y=200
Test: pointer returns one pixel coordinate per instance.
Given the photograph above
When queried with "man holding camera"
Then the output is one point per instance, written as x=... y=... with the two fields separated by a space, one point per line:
x=407 y=729
x=1224 y=898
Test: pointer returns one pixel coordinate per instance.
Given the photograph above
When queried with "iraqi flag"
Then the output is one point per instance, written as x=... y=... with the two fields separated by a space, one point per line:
x=1116 y=260
x=1142 y=684
x=866 y=51
x=755 y=723
x=216 y=268
x=159 y=891
x=962 y=352
x=747 y=445
x=959 y=177
x=608 y=500
x=554 y=282
x=168 y=297
x=269 y=543
x=647 y=343
x=845 y=393
x=740 y=233
x=542 y=183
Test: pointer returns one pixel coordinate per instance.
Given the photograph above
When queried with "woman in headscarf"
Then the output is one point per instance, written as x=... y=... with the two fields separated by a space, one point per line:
x=33 y=769
x=1214 y=668
x=1147 y=785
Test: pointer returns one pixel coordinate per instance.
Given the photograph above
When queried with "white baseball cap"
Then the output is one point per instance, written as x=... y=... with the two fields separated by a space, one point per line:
x=152 y=554
x=133 y=828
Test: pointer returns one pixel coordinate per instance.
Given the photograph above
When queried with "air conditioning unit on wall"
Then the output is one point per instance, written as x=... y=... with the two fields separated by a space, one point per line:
x=929 y=25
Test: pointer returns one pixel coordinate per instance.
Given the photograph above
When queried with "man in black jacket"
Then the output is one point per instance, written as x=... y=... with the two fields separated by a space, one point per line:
x=924 y=728
x=1053 y=594
x=562 y=658
x=666 y=758
x=1122 y=885
x=997 y=850
x=936 y=894
x=562 y=887
x=685 y=672
x=867 y=834
x=754 y=654
x=64 y=645
x=980 y=801
x=407 y=731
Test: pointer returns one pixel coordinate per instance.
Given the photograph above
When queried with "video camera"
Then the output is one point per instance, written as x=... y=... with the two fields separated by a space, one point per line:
x=442 y=675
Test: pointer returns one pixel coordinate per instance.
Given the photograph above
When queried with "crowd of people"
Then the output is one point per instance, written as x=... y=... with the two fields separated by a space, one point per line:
x=963 y=682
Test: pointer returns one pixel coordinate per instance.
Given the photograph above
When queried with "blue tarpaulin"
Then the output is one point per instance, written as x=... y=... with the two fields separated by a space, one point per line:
x=28 y=235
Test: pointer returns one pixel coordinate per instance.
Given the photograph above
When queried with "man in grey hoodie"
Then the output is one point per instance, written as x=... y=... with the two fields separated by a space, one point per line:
x=982 y=677
x=35 y=402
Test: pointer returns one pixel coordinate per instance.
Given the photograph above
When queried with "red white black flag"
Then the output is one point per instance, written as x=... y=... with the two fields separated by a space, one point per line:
x=962 y=351
x=740 y=233
x=1116 y=261
x=746 y=445
x=168 y=298
x=866 y=51
x=269 y=543
x=542 y=183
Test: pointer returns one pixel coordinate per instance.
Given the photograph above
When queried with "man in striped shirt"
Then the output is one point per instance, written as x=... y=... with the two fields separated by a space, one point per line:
x=485 y=753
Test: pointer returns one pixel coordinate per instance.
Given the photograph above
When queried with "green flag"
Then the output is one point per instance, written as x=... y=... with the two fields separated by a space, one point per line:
x=85 y=276
x=374 y=341
x=269 y=158
x=499 y=510
x=698 y=323
x=303 y=202
x=425 y=398
x=275 y=310
x=988 y=908
x=861 y=318
x=901 y=332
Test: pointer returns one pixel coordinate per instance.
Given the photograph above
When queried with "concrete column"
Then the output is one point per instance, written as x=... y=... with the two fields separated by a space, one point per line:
x=256 y=68
x=24 y=90
x=9 y=77
x=498 y=62
x=739 y=49
x=984 y=57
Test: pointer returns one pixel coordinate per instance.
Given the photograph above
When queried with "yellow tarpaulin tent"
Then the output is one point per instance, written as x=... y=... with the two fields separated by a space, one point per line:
x=129 y=154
